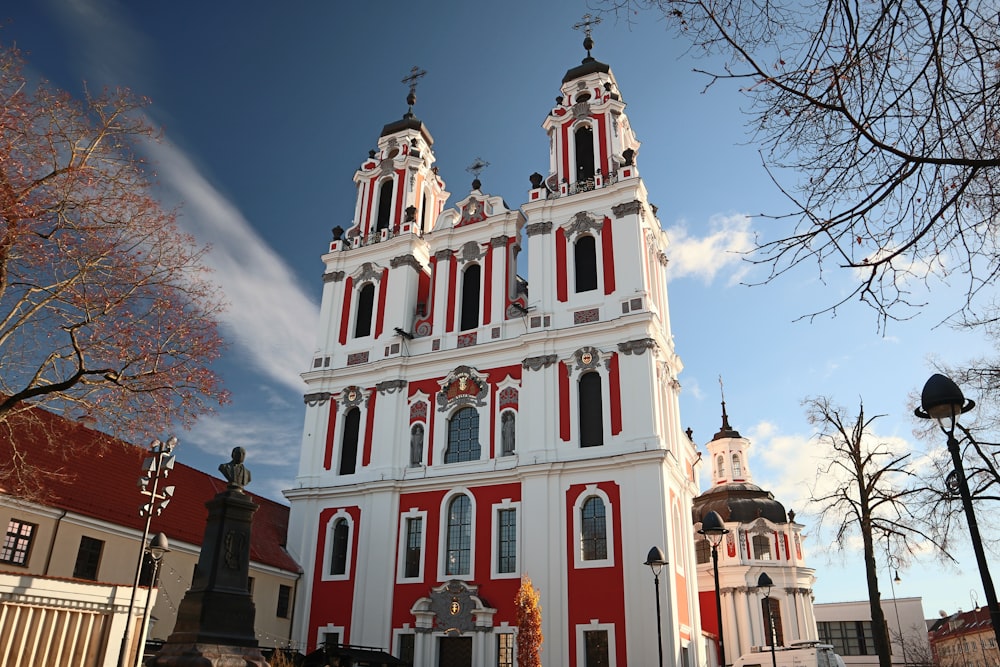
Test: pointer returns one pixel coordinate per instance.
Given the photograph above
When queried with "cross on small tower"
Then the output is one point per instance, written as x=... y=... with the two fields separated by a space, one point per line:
x=475 y=169
x=411 y=80
x=586 y=25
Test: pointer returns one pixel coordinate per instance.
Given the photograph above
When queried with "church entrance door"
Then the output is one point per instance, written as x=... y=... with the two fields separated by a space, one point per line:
x=455 y=652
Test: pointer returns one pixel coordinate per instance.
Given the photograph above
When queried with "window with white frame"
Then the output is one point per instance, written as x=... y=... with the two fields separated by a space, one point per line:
x=761 y=547
x=412 y=543
x=366 y=308
x=737 y=467
x=585 y=263
x=595 y=644
x=591 y=410
x=505 y=649
x=338 y=546
x=506 y=545
x=469 y=318
x=458 y=544
x=593 y=528
x=463 y=436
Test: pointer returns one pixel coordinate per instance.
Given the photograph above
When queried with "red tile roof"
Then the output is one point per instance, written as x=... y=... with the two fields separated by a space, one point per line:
x=95 y=475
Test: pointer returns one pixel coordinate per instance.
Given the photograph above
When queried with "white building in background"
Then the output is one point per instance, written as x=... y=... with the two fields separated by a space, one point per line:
x=848 y=626
x=762 y=537
x=463 y=430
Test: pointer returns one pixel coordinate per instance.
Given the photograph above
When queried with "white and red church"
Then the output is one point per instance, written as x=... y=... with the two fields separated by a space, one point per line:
x=465 y=427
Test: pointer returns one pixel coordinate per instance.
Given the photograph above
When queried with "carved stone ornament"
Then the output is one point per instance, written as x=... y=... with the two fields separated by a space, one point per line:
x=581 y=110
x=333 y=277
x=637 y=346
x=442 y=255
x=453 y=608
x=390 y=386
x=537 y=228
x=471 y=251
x=587 y=358
x=317 y=398
x=540 y=362
x=628 y=208
x=583 y=222
x=463 y=386
x=367 y=272
x=405 y=260
x=352 y=396
x=234 y=544
x=386 y=166
x=498 y=241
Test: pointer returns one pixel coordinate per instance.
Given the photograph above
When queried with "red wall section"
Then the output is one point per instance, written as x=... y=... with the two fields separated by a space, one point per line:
x=383 y=289
x=345 y=312
x=366 y=458
x=561 y=265
x=615 y=388
x=596 y=592
x=608 y=250
x=330 y=430
x=563 y=402
x=331 y=601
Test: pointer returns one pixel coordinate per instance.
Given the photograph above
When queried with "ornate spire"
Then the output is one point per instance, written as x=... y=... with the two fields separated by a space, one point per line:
x=586 y=25
x=726 y=431
x=411 y=79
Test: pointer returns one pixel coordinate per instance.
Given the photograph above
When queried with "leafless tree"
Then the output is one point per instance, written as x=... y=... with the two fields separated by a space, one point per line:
x=880 y=121
x=864 y=486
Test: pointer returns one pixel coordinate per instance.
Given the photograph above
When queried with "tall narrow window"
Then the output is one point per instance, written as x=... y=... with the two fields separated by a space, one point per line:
x=507 y=428
x=596 y=648
x=414 y=538
x=775 y=612
x=423 y=214
x=584 y=138
x=366 y=307
x=720 y=464
x=594 y=540
x=459 y=547
x=407 y=644
x=507 y=541
x=591 y=411
x=384 y=206
x=349 y=448
x=284 y=597
x=463 y=436
x=702 y=551
x=585 y=263
x=737 y=467
x=505 y=649
x=341 y=539
x=88 y=558
x=470 y=298
x=17 y=542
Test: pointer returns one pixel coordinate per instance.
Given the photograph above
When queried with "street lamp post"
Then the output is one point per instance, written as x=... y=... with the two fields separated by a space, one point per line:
x=764 y=581
x=714 y=530
x=656 y=560
x=943 y=401
x=158 y=546
x=157 y=466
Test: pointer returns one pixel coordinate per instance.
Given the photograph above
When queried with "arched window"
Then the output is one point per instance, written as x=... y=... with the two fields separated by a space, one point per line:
x=720 y=464
x=775 y=613
x=459 y=547
x=591 y=411
x=584 y=138
x=470 y=298
x=366 y=306
x=417 y=444
x=507 y=424
x=761 y=547
x=349 y=443
x=338 y=553
x=585 y=263
x=593 y=540
x=737 y=467
x=384 y=206
x=463 y=436
x=423 y=214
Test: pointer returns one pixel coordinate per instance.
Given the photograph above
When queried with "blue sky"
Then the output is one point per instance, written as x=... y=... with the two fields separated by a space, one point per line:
x=268 y=108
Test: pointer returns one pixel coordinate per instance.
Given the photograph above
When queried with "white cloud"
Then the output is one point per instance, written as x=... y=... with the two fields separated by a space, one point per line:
x=268 y=439
x=721 y=250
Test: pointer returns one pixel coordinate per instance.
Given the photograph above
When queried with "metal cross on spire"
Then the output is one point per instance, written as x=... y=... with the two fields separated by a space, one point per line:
x=586 y=25
x=475 y=169
x=411 y=80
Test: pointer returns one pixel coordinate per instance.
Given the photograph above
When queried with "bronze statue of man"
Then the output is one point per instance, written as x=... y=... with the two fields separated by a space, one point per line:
x=237 y=474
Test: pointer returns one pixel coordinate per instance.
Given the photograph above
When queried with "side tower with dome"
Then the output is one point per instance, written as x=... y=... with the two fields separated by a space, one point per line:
x=762 y=537
x=464 y=427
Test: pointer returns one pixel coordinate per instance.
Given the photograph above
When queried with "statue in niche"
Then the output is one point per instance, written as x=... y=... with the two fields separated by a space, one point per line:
x=507 y=434
x=237 y=474
x=416 y=445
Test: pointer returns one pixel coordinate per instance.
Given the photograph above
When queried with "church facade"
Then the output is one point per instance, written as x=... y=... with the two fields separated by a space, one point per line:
x=463 y=429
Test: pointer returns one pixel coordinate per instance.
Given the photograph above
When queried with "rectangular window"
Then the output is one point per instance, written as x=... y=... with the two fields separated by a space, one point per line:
x=596 y=648
x=848 y=637
x=284 y=596
x=17 y=542
x=414 y=530
x=505 y=649
x=88 y=558
x=507 y=541
x=406 y=647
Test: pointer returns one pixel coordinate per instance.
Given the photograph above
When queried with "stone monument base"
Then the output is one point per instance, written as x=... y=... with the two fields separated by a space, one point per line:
x=209 y=655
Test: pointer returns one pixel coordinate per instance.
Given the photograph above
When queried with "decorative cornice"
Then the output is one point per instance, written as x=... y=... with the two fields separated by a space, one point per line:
x=443 y=254
x=583 y=222
x=637 y=346
x=538 y=363
x=368 y=272
x=333 y=277
x=498 y=241
x=390 y=386
x=628 y=208
x=405 y=260
x=316 y=398
x=537 y=228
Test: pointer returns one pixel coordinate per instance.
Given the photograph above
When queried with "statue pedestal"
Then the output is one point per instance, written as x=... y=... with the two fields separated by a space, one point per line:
x=216 y=617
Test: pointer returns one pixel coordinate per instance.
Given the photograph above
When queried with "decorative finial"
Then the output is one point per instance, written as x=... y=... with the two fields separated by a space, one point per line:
x=725 y=417
x=586 y=25
x=411 y=80
x=475 y=169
